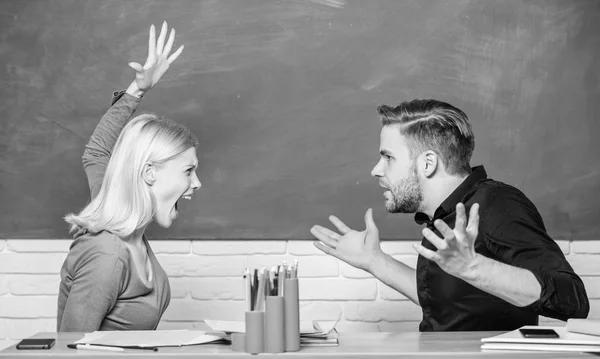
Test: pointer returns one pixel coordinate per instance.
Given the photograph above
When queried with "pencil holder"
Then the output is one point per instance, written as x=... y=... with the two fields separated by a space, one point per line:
x=238 y=342
x=292 y=315
x=274 y=325
x=255 y=332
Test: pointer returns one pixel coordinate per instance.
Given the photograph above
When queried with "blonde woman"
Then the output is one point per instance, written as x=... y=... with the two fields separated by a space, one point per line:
x=111 y=279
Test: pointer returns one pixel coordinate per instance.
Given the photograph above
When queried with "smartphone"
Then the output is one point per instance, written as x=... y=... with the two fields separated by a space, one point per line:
x=539 y=333
x=42 y=343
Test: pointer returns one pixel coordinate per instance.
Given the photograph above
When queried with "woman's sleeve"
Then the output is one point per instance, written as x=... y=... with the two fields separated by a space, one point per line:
x=98 y=150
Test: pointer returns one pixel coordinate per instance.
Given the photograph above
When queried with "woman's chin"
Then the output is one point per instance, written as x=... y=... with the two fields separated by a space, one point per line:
x=164 y=223
x=167 y=220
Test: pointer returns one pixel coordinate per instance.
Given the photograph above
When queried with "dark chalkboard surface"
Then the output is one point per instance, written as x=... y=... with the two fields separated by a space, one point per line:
x=282 y=96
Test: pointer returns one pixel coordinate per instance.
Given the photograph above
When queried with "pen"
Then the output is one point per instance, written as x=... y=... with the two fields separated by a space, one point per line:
x=280 y=278
x=261 y=290
x=247 y=290
x=295 y=269
x=95 y=347
x=273 y=281
x=276 y=282
x=267 y=286
x=108 y=348
x=135 y=347
x=254 y=288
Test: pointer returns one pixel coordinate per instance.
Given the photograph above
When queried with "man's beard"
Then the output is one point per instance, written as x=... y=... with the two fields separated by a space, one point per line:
x=407 y=195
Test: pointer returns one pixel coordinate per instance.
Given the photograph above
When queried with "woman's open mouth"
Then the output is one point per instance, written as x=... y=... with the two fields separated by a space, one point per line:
x=186 y=197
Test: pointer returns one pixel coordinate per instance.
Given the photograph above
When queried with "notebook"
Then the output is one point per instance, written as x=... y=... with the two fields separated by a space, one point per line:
x=584 y=326
x=327 y=340
x=567 y=341
x=541 y=347
x=312 y=328
x=148 y=338
x=315 y=333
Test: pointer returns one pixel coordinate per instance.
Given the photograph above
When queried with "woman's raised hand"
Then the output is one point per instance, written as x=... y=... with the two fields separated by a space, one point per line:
x=158 y=60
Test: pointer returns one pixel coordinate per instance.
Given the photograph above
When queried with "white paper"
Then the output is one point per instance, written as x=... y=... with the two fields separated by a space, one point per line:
x=148 y=338
x=227 y=326
x=565 y=337
x=540 y=347
x=306 y=327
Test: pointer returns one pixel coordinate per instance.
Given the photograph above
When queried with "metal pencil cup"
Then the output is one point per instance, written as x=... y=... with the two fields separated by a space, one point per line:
x=292 y=315
x=274 y=325
x=255 y=332
x=238 y=342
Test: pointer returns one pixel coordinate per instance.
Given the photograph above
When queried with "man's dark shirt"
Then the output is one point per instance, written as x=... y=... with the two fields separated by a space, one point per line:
x=511 y=231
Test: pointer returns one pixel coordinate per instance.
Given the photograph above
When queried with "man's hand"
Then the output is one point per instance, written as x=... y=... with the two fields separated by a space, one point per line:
x=359 y=249
x=158 y=60
x=456 y=251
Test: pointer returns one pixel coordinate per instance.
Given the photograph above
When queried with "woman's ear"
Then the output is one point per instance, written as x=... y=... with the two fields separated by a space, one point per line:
x=430 y=159
x=148 y=174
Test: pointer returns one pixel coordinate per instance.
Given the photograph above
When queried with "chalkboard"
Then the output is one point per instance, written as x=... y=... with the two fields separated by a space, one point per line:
x=283 y=94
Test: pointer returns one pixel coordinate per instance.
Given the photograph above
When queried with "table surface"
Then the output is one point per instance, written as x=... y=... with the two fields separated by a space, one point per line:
x=352 y=345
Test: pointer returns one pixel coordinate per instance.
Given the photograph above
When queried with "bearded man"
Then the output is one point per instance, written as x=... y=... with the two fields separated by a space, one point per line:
x=498 y=269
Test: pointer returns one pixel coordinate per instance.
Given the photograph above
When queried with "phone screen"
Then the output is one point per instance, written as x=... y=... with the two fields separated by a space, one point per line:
x=42 y=343
x=539 y=333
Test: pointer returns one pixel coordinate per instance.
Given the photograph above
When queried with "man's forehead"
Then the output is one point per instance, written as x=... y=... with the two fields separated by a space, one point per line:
x=391 y=139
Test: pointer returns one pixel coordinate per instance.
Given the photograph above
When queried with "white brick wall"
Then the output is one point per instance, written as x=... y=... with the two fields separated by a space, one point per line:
x=205 y=282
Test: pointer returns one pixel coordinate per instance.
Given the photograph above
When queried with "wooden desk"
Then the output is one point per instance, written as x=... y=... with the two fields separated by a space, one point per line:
x=352 y=345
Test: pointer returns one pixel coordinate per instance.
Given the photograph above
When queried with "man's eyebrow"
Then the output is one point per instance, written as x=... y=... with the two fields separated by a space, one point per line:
x=385 y=153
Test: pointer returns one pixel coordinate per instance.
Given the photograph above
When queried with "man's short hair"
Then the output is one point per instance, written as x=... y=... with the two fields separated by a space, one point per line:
x=434 y=125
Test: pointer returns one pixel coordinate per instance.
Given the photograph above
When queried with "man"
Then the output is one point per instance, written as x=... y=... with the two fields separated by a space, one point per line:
x=497 y=271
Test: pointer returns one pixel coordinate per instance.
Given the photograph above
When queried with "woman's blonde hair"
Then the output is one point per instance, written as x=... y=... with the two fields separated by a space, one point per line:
x=124 y=202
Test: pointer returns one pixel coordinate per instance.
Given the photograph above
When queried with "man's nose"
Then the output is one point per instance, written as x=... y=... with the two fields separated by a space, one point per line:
x=377 y=171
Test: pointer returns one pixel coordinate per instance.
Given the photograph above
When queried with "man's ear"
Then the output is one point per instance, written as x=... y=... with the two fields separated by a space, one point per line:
x=149 y=174
x=430 y=164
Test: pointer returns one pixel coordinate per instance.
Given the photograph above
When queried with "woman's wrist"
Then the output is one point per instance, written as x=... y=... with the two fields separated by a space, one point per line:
x=134 y=90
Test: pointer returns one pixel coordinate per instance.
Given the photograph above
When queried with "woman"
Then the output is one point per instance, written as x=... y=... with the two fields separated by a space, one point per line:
x=111 y=279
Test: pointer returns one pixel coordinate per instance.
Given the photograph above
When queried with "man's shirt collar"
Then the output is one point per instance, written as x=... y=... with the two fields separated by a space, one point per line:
x=478 y=173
